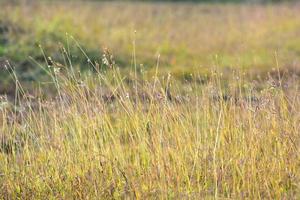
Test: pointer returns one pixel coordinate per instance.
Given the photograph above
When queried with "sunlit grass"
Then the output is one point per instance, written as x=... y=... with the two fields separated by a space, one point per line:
x=182 y=109
x=108 y=135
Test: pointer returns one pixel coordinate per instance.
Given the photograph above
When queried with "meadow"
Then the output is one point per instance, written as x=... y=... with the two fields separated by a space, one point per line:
x=149 y=101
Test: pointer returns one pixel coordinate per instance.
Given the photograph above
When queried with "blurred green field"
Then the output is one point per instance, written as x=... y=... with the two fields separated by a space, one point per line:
x=189 y=37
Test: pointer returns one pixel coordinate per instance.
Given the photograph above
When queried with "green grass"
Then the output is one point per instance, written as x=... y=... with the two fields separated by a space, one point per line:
x=186 y=35
x=189 y=37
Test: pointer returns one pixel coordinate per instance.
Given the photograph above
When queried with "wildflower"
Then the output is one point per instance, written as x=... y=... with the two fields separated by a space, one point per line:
x=105 y=60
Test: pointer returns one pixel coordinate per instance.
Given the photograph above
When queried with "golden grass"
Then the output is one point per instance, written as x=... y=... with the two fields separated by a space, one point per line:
x=114 y=136
x=107 y=134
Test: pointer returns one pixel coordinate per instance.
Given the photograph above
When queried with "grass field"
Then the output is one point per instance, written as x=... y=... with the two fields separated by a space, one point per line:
x=188 y=36
x=149 y=101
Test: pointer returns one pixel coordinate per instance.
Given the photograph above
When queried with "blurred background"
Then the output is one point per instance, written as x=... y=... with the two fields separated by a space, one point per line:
x=190 y=36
